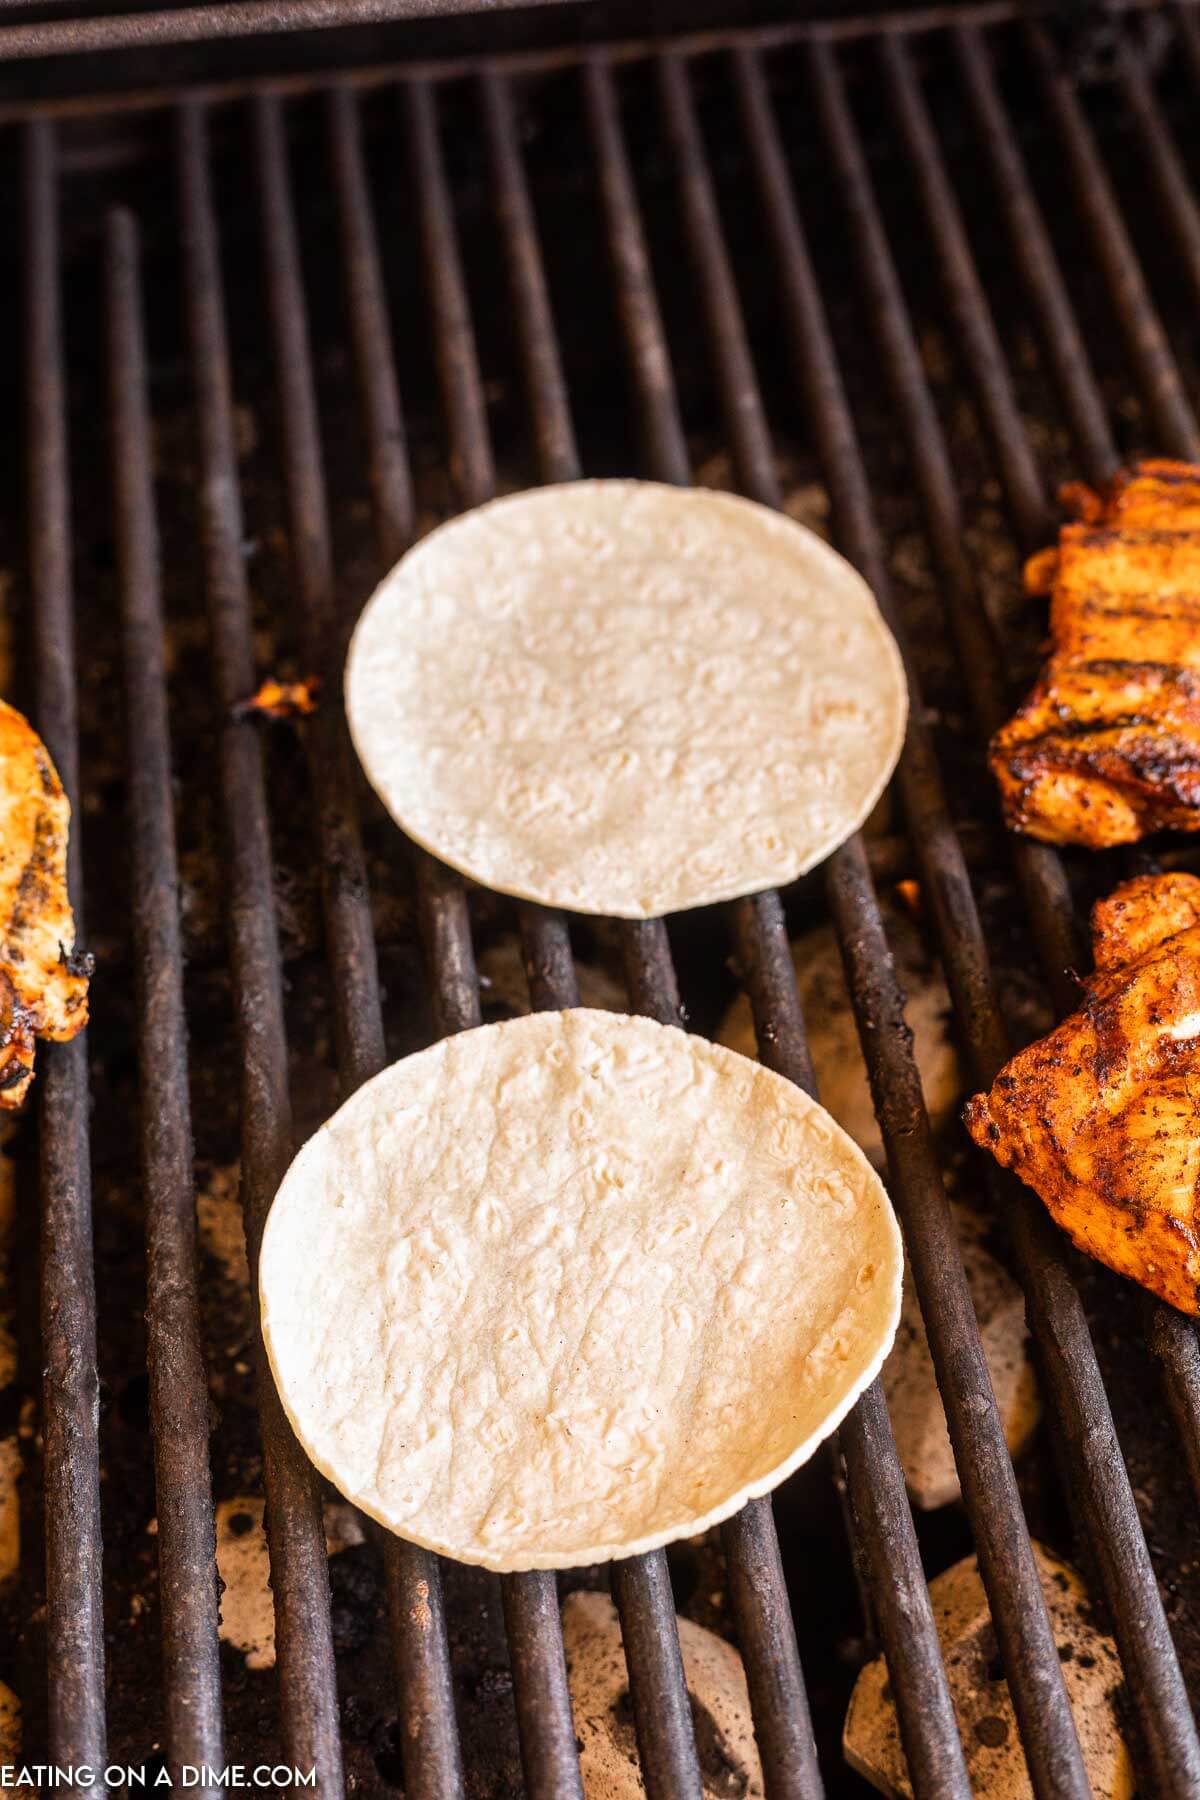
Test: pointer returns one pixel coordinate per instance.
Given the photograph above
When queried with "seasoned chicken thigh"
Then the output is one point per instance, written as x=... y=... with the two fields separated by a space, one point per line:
x=43 y=984
x=1102 y=1117
x=1107 y=746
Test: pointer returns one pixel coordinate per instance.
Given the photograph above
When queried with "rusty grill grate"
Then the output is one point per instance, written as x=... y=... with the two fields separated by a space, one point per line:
x=792 y=115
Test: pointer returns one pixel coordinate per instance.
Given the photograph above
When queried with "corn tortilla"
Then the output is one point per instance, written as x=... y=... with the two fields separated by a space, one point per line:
x=619 y=697
x=572 y=1286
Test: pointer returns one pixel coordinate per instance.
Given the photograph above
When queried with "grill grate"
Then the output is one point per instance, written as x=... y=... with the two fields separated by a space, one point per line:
x=68 y=1301
x=1109 y=1531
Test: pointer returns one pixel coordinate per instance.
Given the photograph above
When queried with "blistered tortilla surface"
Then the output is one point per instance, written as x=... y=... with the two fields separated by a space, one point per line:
x=572 y=1286
x=625 y=698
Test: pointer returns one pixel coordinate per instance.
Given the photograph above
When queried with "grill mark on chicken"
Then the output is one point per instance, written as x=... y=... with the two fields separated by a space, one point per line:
x=43 y=978
x=1107 y=747
x=1145 y=606
x=1101 y=537
x=1122 y=668
x=1177 y=780
x=1102 y=1117
x=1072 y=728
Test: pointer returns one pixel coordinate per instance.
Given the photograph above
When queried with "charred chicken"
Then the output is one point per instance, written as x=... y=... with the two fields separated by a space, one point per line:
x=1102 y=1117
x=43 y=982
x=1107 y=746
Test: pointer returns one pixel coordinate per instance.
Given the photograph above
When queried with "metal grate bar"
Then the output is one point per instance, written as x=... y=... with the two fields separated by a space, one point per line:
x=430 y=1751
x=1187 y=28
x=219 y=19
x=1037 y=262
x=1175 y=1345
x=296 y=1536
x=1177 y=203
x=767 y=1635
x=557 y=452
x=546 y=954
x=662 y=1716
x=1071 y=1375
x=741 y=402
x=358 y=1017
x=178 y=1381
x=211 y=20
x=544 y=1718
x=989 y=1487
x=431 y=1756
x=378 y=390
x=70 y=1390
x=641 y=321
x=1145 y=339
x=809 y=343
x=966 y=299
x=445 y=929
x=530 y=1600
x=932 y=1750
x=454 y=333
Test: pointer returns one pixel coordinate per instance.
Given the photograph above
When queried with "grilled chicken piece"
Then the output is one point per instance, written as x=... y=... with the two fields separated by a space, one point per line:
x=43 y=983
x=1107 y=746
x=1102 y=1118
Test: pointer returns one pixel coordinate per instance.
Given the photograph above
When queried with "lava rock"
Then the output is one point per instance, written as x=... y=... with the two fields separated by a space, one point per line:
x=247 y=1610
x=918 y=1419
x=833 y=1035
x=986 y=1721
x=600 y=1701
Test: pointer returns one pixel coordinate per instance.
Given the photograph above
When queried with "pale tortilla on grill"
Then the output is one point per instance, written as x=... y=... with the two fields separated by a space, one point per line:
x=572 y=1286
x=625 y=698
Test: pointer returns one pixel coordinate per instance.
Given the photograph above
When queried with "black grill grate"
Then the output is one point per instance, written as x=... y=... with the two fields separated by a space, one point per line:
x=742 y=66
